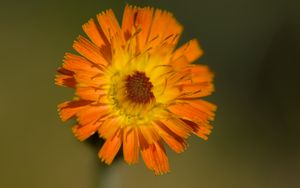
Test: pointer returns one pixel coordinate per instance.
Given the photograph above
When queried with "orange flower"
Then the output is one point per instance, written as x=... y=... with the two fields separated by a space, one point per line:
x=135 y=89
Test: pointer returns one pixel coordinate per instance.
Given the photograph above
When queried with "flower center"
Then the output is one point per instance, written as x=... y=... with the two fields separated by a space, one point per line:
x=138 y=88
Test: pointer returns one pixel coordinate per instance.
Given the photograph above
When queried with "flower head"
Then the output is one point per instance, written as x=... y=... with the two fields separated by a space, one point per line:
x=135 y=89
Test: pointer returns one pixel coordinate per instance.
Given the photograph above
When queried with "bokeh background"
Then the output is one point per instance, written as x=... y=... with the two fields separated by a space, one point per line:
x=253 y=46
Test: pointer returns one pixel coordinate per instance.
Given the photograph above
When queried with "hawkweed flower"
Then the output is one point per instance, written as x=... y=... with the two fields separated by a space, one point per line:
x=135 y=89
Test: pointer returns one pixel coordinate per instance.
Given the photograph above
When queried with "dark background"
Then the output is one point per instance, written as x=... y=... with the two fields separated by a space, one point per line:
x=253 y=46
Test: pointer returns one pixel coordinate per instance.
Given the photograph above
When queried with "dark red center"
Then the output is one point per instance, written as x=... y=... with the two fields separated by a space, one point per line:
x=138 y=88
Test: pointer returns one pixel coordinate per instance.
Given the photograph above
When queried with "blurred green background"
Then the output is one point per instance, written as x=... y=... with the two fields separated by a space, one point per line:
x=253 y=46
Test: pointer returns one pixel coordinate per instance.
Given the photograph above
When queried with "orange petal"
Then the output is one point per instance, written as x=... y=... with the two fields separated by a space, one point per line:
x=92 y=114
x=90 y=93
x=177 y=143
x=205 y=107
x=191 y=75
x=187 y=111
x=191 y=50
x=201 y=129
x=180 y=76
x=129 y=16
x=135 y=26
x=177 y=126
x=90 y=80
x=173 y=32
x=65 y=80
x=197 y=74
x=190 y=91
x=165 y=30
x=110 y=148
x=110 y=25
x=180 y=63
x=69 y=109
x=130 y=145
x=64 y=71
x=155 y=158
x=149 y=133
x=201 y=73
x=90 y=51
x=109 y=127
x=142 y=22
x=84 y=132
x=94 y=32
x=77 y=63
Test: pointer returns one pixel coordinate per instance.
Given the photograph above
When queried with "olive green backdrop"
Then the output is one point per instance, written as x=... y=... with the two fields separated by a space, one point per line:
x=253 y=46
